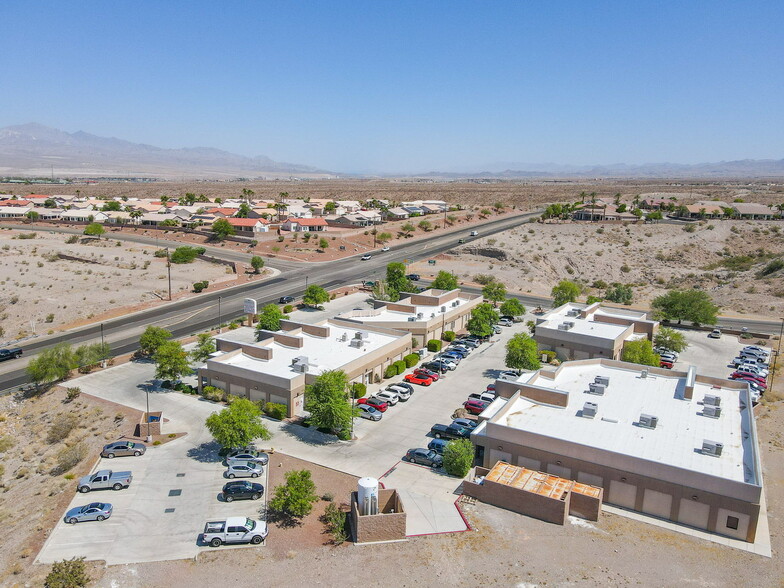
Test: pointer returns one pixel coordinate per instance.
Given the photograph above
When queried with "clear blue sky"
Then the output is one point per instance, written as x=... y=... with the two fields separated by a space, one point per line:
x=399 y=86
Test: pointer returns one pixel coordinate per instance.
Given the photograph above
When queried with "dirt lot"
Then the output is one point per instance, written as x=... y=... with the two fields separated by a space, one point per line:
x=36 y=285
x=720 y=257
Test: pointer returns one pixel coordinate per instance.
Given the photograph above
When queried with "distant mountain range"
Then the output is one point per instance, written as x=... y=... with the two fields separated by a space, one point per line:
x=37 y=150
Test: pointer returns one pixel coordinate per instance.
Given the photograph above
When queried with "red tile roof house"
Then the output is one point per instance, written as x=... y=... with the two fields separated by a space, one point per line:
x=249 y=226
x=222 y=212
x=304 y=225
x=15 y=202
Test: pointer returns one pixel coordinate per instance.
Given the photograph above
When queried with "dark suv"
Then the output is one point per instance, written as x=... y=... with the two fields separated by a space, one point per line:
x=285 y=299
x=242 y=489
x=449 y=432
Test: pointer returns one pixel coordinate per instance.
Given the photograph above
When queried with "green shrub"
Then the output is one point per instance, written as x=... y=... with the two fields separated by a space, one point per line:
x=199 y=286
x=411 y=360
x=72 y=239
x=390 y=371
x=200 y=250
x=458 y=457
x=335 y=520
x=275 y=411
x=772 y=267
x=448 y=336
x=358 y=389
x=551 y=355
x=72 y=393
x=400 y=366
x=184 y=254
x=69 y=573
x=434 y=345
x=288 y=309
x=213 y=393
x=483 y=279
x=156 y=442
x=161 y=253
x=6 y=443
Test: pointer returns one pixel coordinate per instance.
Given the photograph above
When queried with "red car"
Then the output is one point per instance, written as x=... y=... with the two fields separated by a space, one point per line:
x=475 y=406
x=425 y=373
x=379 y=405
x=491 y=387
x=666 y=364
x=762 y=385
x=421 y=380
x=747 y=376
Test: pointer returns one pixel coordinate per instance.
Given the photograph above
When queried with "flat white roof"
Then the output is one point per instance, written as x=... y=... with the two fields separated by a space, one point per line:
x=589 y=326
x=323 y=353
x=676 y=440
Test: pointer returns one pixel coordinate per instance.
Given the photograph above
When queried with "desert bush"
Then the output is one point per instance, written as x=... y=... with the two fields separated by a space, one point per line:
x=689 y=228
x=275 y=411
x=62 y=425
x=483 y=279
x=184 y=254
x=72 y=239
x=411 y=360
x=6 y=443
x=434 y=345
x=288 y=309
x=26 y=236
x=335 y=520
x=49 y=318
x=161 y=253
x=328 y=497
x=199 y=286
x=69 y=457
x=69 y=573
x=72 y=393
x=448 y=336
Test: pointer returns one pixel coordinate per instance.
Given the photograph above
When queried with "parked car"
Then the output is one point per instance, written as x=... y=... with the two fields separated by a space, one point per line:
x=458 y=351
x=427 y=373
x=437 y=365
x=505 y=322
x=749 y=380
x=226 y=451
x=467 y=423
x=368 y=412
x=438 y=445
x=285 y=299
x=666 y=364
x=461 y=345
x=749 y=359
x=426 y=457
x=497 y=330
x=12 y=353
x=421 y=380
x=450 y=363
x=756 y=348
x=758 y=368
x=247 y=469
x=103 y=479
x=373 y=402
x=241 y=456
x=95 y=511
x=482 y=396
x=668 y=357
x=400 y=389
x=234 y=530
x=508 y=376
x=491 y=387
x=406 y=386
x=715 y=334
x=449 y=432
x=451 y=356
x=664 y=350
x=472 y=343
x=475 y=406
x=123 y=448
x=387 y=396
x=413 y=277
x=747 y=375
x=242 y=490
x=758 y=356
x=366 y=257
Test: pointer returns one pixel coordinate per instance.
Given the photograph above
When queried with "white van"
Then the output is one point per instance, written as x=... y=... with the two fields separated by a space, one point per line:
x=474 y=234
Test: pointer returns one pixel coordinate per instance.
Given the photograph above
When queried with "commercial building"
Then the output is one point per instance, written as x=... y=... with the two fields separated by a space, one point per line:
x=278 y=366
x=579 y=331
x=424 y=316
x=674 y=445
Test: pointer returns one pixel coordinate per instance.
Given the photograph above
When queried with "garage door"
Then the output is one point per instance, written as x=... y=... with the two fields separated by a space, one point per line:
x=218 y=384
x=560 y=471
x=622 y=494
x=581 y=355
x=694 y=514
x=238 y=390
x=496 y=455
x=531 y=464
x=590 y=479
x=657 y=504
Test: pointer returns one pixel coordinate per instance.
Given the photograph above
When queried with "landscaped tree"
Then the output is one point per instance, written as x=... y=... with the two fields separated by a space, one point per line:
x=89 y=356
x=94 y=230
x=315 y=295
x=495 y=292
x=152 y=338
x=330 y=206
x=243 y=211
x=670 y=339
x=51 y=365
x=397 y=281
x=444 y=281
x=238 y=424
x=458 y=457
x=425 y=225
x=50 y=203
x=564 y=292
x=656 y=215
x=205 y=346
x=383 y=237
x=408 y=228
x=111 y=206
x=269 y=319
x=256 y=262
x=512 y=307
x=171 y=361
x=294 y=499
x=221 y=229
x=640 y=351
x=686 y=305
x=522 y=353
x=327 y=401
x=483 y=317
x=32 y=215
x=184 y=254
x=323 y=243
x=620 y=294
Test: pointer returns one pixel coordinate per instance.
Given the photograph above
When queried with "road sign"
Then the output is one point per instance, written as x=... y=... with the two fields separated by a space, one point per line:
x=250 y=306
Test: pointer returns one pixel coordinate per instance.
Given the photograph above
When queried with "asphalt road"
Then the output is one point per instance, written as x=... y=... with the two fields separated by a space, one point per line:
x=199 y=313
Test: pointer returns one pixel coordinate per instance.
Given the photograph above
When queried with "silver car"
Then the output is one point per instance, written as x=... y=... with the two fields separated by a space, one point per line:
x=368 y=412
x=247 y=469
x=95 y=511
x=246 y=455
x=122 y=448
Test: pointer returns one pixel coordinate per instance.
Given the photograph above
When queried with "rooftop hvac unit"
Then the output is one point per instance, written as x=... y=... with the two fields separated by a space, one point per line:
x=344 y=337
x=358 y=343
x=412 y=319
x=302 y=368
x=443 y=309
x=603 y=380
x=598 y=389
x=358 y=335
x=420 y=315
x=711 y=411
x=454 y=303
x=432 y=315
x=644 y=374
x=365 y=335
x=569 y=324
x=712 y=448
x=563 y=327
x=648 y=421
x=457 y=303
x=573 y=312
x=589 y=409
x=711 y=400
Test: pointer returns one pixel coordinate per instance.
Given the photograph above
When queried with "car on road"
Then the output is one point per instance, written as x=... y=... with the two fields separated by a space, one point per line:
x=251 y=455
x=715 y=334
x=385 y=249
x=234 y=530
x=424 y=372
x=449 y=432
x=460 y=241
x=285 y=299
x=366 y=257
x=467 y=423
x=12 y=353
x=475 y=406
x=421 y=380
x=123 y=448
x=368 y=412
x=413 y=277
x=505 y=322
x=438 y=445
x=474 y=233
x=426 y=457
x=247 y=469
x=373 y=402
x=242 y=490
x=387 y=396
x=103 y=479
x=95 y=511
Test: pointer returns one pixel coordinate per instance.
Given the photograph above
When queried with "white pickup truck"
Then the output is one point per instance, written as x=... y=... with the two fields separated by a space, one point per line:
x=103 y=479
x=234 y=530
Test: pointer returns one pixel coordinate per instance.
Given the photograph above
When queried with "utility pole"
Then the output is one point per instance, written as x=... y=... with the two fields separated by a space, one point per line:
x=219 y=315
x=775 y=363
x=147 y=415
x=168 y=267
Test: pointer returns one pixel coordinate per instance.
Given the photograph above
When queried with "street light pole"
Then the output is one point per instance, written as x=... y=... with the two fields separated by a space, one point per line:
x=168 y=268
x=147 y=415
x=220 y=322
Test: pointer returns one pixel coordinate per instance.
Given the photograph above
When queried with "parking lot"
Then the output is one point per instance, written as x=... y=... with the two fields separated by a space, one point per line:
x=711 y=356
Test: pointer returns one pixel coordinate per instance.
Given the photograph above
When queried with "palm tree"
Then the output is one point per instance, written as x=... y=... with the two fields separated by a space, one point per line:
x=280 y=207
x=136 y=214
